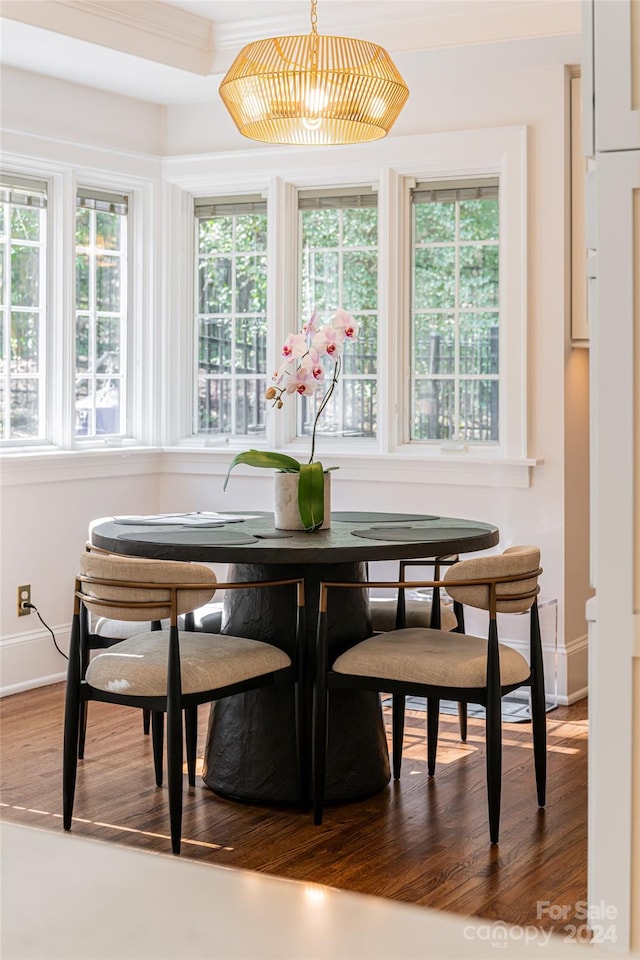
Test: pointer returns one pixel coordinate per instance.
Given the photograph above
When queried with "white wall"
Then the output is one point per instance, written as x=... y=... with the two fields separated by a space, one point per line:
x=444 y=97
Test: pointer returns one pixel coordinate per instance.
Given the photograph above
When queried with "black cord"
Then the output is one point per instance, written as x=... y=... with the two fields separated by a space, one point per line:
x=32 y=606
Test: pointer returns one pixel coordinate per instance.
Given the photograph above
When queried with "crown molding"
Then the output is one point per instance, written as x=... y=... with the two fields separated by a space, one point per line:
x=173 y=36
x=144 y=28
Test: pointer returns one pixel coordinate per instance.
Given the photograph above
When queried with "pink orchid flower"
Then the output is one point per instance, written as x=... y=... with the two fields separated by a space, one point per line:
x=303 y=382
x=311 y=363
x=345 y=322
x=329 y=340
x=294 y=346
x=309 y=328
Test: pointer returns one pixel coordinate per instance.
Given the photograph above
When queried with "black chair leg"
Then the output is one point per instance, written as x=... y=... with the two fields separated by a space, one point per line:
x=302 y=744
x=174 y=741
x=397 y=728
x=433 y=714
x=494 y=769
x=538 y=709
x=493 y=733
x=82 y=732
x=458 y=609
x=319 y=752
x=191 y=737
x=462 y=720
x=146 y=721
x=71 y=727
x=157 y=725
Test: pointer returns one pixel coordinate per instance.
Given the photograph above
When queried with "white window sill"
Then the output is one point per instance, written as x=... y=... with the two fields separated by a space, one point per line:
x=44 y=465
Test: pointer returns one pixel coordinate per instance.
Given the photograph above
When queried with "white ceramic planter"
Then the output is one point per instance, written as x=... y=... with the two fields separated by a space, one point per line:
x=286 y=512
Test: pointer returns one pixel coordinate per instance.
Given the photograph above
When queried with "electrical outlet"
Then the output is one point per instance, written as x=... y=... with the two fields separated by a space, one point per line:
x=24 y=596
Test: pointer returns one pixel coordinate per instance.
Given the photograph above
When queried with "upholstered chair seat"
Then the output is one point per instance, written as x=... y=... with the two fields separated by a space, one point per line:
x=421 y=655
x=138 y=666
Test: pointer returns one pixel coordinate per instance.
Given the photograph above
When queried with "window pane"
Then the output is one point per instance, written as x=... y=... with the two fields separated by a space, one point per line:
x=25 y=404
x=108 y=283
x=435 y=222
x=321 y=228
x=434 y=278
x=479 y=342
x=22 y=317
x=85 y=421
x=478 y=276
x=83 y=343
x=215 y=235
x=360 y=415
x=479 y=219
x=251 y=284
x=433 y=410
x=25 y=336
x=251 y=346
x=107 y=345
x=101 y=278
x=340 y=269
x=25 y=276
x=360 y=356
x=216 y=289
x=320 y=286
x=360 y=227
x=214 y=406
x=251 y=232
x=25 y=223
x=107 y=406
x=215 y=346
x=434 y=343
x=232 y=327
x=360 y=280
x=456 y=324
x=479 y=410
x=250 y=405
x=83 y=227
x=108 y=227
x=82 y=281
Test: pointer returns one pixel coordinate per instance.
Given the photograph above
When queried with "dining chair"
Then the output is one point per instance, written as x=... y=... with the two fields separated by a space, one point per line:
x=441 y=665
x=168 y=671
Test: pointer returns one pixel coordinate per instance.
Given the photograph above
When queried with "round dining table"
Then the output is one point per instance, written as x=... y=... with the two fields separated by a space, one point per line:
x=250 y=750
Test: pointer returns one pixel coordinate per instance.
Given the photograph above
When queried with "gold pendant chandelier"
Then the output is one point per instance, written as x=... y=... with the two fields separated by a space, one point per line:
x=313 y=89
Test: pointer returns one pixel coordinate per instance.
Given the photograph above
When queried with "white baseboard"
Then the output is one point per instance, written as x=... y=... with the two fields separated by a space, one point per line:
x=29 y=660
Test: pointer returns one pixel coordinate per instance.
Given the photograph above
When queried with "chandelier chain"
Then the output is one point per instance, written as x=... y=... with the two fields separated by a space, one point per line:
x=314 y=17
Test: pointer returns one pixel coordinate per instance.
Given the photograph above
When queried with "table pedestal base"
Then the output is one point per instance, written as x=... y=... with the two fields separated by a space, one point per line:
x=250 y=750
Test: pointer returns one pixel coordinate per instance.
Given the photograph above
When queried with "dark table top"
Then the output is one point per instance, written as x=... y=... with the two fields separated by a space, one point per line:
x=354 y=536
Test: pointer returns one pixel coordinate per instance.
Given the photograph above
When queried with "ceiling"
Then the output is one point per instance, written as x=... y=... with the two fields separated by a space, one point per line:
x=176 y=51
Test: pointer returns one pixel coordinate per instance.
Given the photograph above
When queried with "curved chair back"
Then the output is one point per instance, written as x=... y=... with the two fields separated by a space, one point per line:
x=100 y=576
x=514 y=562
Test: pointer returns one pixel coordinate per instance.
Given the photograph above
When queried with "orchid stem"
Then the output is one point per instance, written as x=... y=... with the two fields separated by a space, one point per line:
x=323 y=403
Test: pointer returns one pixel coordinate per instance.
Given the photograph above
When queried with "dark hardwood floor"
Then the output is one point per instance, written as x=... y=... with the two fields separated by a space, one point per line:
x=419 y=840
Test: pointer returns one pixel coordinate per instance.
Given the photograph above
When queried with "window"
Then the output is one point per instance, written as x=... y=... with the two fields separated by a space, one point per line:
x=101 y=314
x=231 y=316
x=23 y=232
x=339 y=268
x=455 y=320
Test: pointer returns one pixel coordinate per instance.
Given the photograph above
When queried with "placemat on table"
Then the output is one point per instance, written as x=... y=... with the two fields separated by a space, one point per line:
x=410 y=534
x=368 y=516
x=193 y=535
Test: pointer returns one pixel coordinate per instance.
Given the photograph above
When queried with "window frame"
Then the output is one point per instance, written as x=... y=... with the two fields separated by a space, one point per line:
x=391 y=166
x=39 y=184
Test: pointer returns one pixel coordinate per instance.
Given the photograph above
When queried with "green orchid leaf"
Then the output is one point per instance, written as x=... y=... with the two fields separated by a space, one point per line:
x=263 y=458
x=311 y=495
